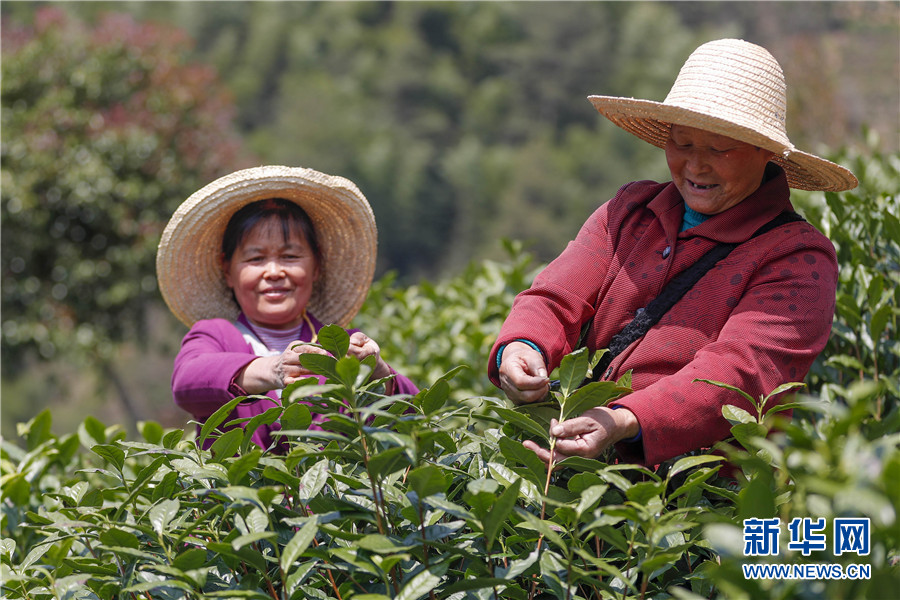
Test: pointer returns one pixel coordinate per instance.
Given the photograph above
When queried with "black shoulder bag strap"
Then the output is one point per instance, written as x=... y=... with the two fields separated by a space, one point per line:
x=647 y=317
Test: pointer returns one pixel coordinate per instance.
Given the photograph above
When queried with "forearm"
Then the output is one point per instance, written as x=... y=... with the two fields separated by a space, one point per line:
x=260 y=376
x=201 y=386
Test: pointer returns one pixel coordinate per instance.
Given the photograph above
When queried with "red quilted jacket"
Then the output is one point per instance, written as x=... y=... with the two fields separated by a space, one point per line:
x=758 y=319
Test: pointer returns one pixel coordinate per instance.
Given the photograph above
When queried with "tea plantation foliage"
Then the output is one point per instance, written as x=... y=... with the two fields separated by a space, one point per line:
x=434 y=496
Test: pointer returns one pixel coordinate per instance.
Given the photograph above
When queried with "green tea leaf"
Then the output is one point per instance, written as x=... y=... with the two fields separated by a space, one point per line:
x=111 y=453
x=499 y=513
x=242 y=466
x=592 y=395
x=215 y=419
x=590 y=497
x=162 y=514
x=689 y=462
x=427 y=480
x=879 y=321
x=192 y=558
x=892 y=227
x=736 y=415
x=93 y=429
x=474 y=583
x=516 y=453
x=226 y=445
x=243 y=555
x=347 y=370
x=434 y=397
x=726 y=386
x=16 y=489
x=312 y=482
x=151 y=431
x=320 y=365
x=522 y=422
x=257 y=421
x=422 y=583
x=335 y=340
x=388 y=461
x=251 y=538
x=296 y=416
x=572 y=371
x=299 y=543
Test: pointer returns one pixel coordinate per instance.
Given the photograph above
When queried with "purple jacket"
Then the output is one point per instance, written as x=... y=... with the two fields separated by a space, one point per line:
x=212 y=355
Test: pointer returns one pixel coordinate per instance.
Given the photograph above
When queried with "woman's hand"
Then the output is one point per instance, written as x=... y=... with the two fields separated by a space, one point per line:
x=362 y=346
x=523 y=374
x=588 y=435
x=268 y=373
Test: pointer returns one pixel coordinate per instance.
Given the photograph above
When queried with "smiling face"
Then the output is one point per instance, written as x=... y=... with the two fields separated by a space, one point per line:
x=272 y=272
x=713 y=172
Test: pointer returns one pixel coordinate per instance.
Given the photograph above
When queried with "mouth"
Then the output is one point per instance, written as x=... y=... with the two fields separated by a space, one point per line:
x=699 y=186
x=274 y=292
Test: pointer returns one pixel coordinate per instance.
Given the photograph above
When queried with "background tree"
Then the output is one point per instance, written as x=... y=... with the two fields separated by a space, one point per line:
x=106 y=130
x=467 y=122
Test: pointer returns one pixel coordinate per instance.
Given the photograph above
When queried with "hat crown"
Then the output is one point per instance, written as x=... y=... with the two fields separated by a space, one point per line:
x=738 y=82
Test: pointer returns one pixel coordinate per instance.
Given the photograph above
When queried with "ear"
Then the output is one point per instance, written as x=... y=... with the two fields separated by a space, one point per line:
x=317 y=272
x=226 y=270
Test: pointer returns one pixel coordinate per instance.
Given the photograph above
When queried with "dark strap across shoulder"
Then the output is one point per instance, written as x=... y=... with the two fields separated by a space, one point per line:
x=647 y=317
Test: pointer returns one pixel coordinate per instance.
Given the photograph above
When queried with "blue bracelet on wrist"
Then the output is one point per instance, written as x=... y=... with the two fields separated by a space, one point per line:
x=524 y=341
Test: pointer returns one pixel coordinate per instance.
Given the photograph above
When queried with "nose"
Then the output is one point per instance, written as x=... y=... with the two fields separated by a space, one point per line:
x=696 y=161
x=274 y=270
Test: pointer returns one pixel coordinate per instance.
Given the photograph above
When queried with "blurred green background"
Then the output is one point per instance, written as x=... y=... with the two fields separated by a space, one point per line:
x=463 y=123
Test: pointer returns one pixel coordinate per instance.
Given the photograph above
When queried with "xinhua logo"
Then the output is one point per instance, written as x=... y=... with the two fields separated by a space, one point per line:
x=762 y=537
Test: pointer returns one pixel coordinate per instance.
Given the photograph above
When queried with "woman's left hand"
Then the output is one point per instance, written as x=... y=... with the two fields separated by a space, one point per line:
x=362 y=346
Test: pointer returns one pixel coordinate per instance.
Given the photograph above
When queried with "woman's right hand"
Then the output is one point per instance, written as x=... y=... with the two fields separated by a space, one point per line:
x=268 y=373
x=523 y=374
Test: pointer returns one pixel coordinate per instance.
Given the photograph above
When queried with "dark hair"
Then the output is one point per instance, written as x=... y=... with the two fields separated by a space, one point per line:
x=293 y=219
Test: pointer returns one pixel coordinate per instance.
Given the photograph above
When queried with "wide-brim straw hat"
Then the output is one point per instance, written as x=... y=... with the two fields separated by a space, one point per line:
x=731 y=88
x=188 y=261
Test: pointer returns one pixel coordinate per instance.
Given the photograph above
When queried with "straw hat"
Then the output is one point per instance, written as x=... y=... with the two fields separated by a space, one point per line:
x=736 y=89
x=188 y=262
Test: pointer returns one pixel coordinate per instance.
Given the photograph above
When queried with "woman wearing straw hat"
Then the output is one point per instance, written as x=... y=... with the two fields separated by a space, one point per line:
x=255 y=263
x=755 y=320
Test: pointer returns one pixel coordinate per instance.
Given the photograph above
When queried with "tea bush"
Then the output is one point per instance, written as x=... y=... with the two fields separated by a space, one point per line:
x=434 y=496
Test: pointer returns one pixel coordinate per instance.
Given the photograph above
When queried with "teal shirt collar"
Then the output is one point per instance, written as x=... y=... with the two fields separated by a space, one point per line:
x=692 y=218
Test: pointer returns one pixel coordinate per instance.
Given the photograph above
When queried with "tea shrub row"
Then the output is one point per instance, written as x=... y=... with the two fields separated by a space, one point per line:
x=434 y=496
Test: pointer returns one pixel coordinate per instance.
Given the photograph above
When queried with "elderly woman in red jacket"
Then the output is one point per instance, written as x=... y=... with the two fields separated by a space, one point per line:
x=255 y=263
x=756 y=320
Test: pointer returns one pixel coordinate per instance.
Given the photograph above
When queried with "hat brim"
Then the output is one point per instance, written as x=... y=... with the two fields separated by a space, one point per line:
x=188 y=260
x=651 y=121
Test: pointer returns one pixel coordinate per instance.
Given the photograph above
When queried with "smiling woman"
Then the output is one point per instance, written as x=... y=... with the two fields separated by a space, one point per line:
x=755 y=320
x=256 y=263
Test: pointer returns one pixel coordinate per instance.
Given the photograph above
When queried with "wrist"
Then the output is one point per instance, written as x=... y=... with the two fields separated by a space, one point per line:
x=517 y=344
x=381 y=370
x=260 y=376
x=627 y=424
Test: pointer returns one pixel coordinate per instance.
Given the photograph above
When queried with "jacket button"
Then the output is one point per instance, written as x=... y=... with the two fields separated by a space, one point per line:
x=667 y=251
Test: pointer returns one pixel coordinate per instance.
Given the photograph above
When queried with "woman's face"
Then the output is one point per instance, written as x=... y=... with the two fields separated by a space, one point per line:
x=713 y=172
x=272 y=278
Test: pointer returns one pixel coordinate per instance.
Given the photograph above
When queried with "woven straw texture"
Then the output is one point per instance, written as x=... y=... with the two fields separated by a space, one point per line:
x=188 y=264
x=736 y=89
